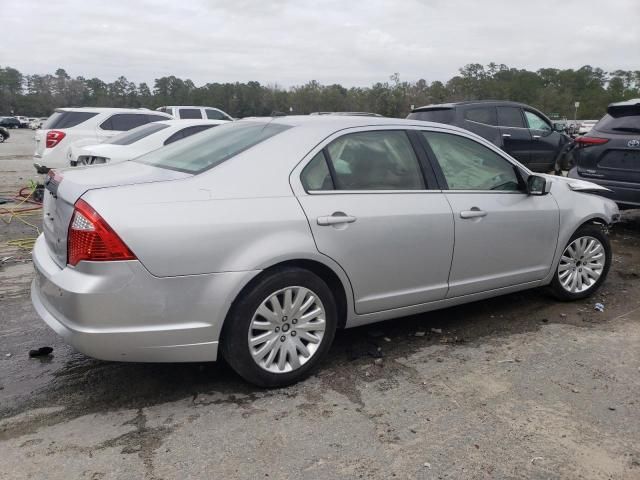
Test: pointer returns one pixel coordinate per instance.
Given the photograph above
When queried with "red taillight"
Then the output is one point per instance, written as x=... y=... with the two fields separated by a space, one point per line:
x=588 y=141
x=54 y=137
x=91 y=238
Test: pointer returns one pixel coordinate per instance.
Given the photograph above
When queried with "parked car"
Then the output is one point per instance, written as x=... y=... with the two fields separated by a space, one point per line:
x=586 y=126
x=520 y=130
x=195 y=113
x=36 y=123
x=24 y=121
x=136 y=142
x=68 y=125
x=610 y=154
x=4 y=134
x=259 y=238
x=351 y=114
x=9 y=122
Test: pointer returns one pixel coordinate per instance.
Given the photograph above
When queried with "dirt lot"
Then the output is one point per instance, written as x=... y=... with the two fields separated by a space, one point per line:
x=515 y=387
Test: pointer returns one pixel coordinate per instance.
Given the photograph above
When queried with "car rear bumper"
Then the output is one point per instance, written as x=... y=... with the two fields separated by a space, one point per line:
x=625 y=194
x=119 y=311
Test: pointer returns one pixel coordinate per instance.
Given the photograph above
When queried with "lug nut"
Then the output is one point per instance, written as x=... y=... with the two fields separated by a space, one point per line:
x=277 y=329
x=294 y=321
x=293 y=333
x=282 y=338
x=284 y=319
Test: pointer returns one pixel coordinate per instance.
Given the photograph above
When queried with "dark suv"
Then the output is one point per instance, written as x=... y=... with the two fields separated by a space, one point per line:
x=609 y=154
x=520 y=130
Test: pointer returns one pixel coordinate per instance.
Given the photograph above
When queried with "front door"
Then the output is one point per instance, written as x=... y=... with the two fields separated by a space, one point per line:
x=370 y=210
x=516 y=138
x=503 y=236
x=545 y=143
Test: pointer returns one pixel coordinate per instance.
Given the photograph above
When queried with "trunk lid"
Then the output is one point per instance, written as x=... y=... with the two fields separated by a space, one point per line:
x=64 y=188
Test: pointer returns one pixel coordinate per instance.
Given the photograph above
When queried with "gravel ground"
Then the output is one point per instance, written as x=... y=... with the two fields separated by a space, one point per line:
x=514 y=387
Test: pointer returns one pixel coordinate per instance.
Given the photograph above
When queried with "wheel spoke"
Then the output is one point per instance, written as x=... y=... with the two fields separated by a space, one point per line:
x=286 y=329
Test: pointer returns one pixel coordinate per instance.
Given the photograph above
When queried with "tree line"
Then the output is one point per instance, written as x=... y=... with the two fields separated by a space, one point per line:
x=551 y=90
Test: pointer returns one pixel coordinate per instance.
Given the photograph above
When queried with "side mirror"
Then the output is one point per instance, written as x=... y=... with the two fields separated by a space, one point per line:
x=537 y=185
x=559 y=127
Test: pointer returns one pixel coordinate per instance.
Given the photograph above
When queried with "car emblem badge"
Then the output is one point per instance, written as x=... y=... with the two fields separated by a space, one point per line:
x=633 y=143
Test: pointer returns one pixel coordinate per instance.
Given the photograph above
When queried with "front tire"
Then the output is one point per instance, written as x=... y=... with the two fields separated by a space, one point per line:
x=584 y=264
x=281 y=328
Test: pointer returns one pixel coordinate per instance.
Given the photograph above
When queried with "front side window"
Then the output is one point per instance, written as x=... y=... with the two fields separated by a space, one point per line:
x=188 y=113
x=378 y=160
x=535 y=122
x=202 y=152
x=510 y=117
x=215 y=115
x=468 y=165
x=132 y=136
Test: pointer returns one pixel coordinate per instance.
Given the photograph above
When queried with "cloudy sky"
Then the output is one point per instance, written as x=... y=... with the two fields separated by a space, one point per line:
x=289 y=42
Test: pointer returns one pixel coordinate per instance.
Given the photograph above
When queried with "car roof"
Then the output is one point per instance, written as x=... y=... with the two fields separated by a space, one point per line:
x=109 y=110
x=472 y=102
x=188 y=106
x=333 y=123
x=187 y=123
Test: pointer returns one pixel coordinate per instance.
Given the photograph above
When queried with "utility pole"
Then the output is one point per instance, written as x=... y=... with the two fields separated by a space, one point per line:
x=575 y=113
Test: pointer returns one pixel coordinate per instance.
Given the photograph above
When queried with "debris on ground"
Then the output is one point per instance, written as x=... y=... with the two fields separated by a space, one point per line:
x=420 y=333
x=40 y=352
x=386 y=339
x=612 y=408
x=563 y=315
x=364 y=347
x=575 y=390
x=599 y=307
x=436 y=330
x=534 y=459
x=378 y=361
x=427 y=465
x=7 y=355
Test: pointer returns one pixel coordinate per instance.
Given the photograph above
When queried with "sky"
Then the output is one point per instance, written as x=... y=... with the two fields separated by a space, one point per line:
x=289 y=42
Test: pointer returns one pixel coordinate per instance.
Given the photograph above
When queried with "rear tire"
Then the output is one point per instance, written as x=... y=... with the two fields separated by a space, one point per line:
x=280 y=328
x=583 y=266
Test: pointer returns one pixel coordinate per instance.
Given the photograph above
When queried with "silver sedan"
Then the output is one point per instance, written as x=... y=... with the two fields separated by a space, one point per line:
x=256 y=240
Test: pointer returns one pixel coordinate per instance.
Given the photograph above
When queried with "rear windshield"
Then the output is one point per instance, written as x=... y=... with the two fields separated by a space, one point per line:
x=438 y=115
x=66 y=119
x=127 y=138
x=619 y=124
x=208 y=149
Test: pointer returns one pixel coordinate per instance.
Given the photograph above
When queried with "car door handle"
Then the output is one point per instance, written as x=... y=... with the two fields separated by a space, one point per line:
x=535 y=137
x=506 y=135
x=335 y=219
x=475 y=212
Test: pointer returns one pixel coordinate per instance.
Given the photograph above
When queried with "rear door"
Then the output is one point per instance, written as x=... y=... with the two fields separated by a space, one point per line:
x=482 y=121
x=516 y=138
x=370 y=209
x=503 y=236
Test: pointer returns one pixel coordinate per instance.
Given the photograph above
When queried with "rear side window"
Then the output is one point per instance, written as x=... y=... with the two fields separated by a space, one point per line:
x=486 y=115
x=136 y=134
x=215 y=115
x=186 y=132
x=67 y=119
x=510 y=117
x=126 y=121
x=316 y=175
x=619 y=124
x=202 y=152
x=438 y=115
x=189 y=113
x=379 y=160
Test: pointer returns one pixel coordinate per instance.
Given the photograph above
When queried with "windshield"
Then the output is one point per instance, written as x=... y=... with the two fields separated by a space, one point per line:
x=208 y=149
x=127 y=138
x=438 y=115
x=619 y=125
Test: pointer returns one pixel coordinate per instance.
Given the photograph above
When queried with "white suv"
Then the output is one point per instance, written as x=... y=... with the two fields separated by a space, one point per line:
x=68 y=125
x=195 y=113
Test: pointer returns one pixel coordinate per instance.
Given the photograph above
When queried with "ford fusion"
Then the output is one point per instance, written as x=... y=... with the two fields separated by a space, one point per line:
x=256 y=240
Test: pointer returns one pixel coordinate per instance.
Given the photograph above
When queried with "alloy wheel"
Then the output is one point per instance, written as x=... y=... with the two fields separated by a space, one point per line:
x=287 y=329
x=581 y=264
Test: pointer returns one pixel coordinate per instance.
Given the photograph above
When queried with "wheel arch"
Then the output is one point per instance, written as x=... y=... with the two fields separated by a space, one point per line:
x=337 y=283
